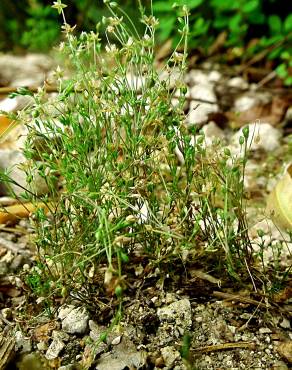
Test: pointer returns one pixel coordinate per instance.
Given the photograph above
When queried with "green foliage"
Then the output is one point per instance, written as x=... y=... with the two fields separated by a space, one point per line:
x=110 y=138
x=41 y=31
x=208 y=18
x=33 y=24
x=284 y=68
x=241 y=20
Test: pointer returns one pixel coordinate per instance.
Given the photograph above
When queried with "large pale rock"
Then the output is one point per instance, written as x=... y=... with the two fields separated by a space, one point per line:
x=238 y=82
x=135 y=82
x=261 y=136
x=199 y=111
x=249 y=100
x=30 y=69
x=22 y=343
x=122 y=356
x=270 y=239
x=64 y=311
x=54 y=350
x=76 y=322
x=179 y=312
x=197 y=76
x=13 y=161
x=170 y=355
x=172 y=78
x=212 y=132
x=251 y=180
x=15 y=104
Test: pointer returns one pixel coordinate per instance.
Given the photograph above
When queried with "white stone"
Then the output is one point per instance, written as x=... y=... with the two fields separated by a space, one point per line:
x=251 y=180
x=67 y=367
x=76 y=322
x=122 y=356
x=14 y=162
x=212 y=132
x=61 y=335
x=250 y=100
x=261 y=136
x=116 y=340
x=175 y=99
x=42 y=346
x=30 y=69
x=285 y=323
x=244 y=103
x=135 y=82
x=265 y=331
x=170 y=355
x=272 y=235
x=17 y=103
x=196 y=76
x=171 y=78
x=199 y=111
x=214 y=76
x=54 y=349
x=22 y=343
x=232 y=328
x=203 y=91
x=179 y=312
x=64 y=311
x=238 y=82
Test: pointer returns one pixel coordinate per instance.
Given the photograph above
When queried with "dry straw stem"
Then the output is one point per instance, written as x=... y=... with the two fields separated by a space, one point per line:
x=222 y=347
x=50 y=89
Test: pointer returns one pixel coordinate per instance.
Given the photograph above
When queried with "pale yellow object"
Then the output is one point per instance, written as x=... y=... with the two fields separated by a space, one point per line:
x=4 y=124
x=13 y=213
x=279 y=202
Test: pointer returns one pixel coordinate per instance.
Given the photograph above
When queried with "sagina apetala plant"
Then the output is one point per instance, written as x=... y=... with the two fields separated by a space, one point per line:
x=111 y=138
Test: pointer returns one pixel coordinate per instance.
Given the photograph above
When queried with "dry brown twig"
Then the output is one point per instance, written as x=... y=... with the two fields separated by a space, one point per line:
x=225 y=346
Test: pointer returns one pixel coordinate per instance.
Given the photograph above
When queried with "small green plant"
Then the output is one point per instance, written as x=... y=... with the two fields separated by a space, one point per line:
x=185 y=350
x=261 y=25
x=283 y=69
x=105 y=137
x=110 y=139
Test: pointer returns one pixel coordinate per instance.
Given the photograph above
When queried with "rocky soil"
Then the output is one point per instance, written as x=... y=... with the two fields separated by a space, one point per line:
x=181 y=320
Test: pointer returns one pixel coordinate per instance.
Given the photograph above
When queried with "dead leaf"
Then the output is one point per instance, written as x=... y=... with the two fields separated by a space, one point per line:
x=279 y=202
x=285 y=350
x=204 y=276
x=218 y=43
x=10 y=291
x=4 y=124
x=7 y=348
x=43 y=333
x=284 y=295
x=12 y=213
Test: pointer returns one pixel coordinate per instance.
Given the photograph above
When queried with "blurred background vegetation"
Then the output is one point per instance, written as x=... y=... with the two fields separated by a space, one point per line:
x=245 y=27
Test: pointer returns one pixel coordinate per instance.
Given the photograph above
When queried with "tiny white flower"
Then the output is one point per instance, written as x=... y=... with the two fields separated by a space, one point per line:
x=130 y=41
x=111 y=48
x=62 y=46
x=59 y=6
x=110 y=29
